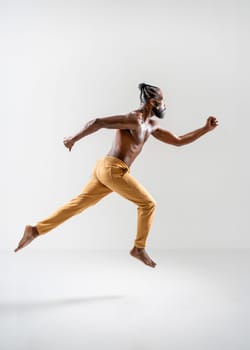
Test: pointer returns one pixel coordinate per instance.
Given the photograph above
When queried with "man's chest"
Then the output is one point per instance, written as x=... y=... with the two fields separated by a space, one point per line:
x=141 y=133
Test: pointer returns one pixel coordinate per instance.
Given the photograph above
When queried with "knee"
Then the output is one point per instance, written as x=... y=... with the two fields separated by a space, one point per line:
x=150 y=204
x=153 y=204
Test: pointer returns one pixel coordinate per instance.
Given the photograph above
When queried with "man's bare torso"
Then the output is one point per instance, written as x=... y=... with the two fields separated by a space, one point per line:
x=128 y=143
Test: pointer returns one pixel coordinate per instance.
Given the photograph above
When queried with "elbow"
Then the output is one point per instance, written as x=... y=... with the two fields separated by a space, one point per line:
x=178 y=142
x=97 y=123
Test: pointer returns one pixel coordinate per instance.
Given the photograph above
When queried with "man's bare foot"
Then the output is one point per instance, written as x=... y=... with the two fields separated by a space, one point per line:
x=30 y=233
x=141 y=254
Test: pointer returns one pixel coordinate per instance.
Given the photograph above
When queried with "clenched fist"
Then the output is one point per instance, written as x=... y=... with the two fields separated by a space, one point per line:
x=68 y=142
x=211 y=123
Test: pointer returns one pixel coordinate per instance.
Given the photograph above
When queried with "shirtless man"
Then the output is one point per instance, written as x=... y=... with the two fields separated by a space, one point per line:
x=112 y=173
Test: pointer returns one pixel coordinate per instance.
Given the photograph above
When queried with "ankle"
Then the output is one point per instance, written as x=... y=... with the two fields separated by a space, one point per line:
x=139 y=249
x=35 y=232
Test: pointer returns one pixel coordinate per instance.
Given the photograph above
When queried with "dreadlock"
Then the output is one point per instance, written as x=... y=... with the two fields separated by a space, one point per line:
x=148 y=91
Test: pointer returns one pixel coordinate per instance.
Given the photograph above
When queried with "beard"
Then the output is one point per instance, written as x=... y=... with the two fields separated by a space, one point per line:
x=159 y=113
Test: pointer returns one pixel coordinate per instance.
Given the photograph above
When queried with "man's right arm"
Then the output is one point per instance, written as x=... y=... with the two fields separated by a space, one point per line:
x=128 y=121
x=168 y=137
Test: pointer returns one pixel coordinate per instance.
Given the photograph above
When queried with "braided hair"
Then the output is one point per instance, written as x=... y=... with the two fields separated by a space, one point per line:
x=148 y=91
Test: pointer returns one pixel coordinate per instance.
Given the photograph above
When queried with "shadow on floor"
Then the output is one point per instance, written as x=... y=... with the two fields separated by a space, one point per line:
x=26 y=306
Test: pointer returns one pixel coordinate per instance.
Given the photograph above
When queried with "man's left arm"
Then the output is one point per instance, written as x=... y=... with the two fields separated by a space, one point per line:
x=168 y=137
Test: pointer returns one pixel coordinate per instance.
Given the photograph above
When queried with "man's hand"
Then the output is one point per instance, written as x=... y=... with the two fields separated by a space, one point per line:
x=68 y=142
x=211 y=123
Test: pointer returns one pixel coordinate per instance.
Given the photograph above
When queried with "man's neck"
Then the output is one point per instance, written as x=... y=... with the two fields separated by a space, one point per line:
x=146 y=112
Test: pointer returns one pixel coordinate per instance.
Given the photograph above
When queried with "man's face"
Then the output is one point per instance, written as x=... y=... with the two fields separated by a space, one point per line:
x=159 y=106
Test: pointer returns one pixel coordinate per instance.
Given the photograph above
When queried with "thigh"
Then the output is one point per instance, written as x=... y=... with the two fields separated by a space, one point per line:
x=115 y=174
x=128 y=187
x=94 y=188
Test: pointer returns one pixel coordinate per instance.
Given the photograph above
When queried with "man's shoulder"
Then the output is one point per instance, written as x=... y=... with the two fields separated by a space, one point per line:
x=135 y=114
x=153 y=122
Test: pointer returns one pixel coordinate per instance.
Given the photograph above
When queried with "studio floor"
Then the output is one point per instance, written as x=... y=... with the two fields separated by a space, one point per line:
x=74 y=300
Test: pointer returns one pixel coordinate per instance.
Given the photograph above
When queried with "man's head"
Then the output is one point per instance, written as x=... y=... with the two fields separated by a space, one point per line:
x=153 y=96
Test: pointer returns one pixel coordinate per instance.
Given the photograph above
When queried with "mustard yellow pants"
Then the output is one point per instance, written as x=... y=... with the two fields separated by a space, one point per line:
x=109 y=175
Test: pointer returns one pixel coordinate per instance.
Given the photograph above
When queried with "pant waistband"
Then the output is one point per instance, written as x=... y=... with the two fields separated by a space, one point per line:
x=115 y=160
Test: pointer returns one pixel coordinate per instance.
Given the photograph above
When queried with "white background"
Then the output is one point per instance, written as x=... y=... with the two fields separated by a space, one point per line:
x=66 y=62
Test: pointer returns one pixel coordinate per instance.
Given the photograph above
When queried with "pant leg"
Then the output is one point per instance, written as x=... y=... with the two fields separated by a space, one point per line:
x=114 y=173
x=90 y=195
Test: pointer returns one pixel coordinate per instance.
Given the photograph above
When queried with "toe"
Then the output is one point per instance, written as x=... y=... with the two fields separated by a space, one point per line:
x=16 y=250
x=153 y=264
